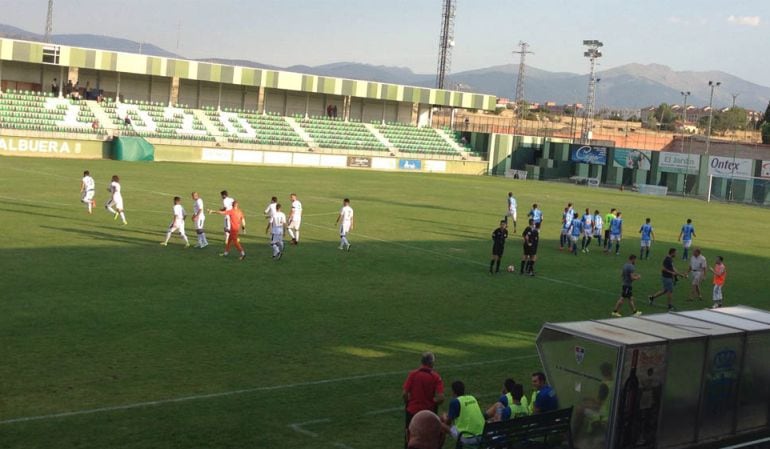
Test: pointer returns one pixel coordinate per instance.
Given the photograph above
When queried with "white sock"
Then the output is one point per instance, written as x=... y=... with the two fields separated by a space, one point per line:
x=110 y=209
x=168 y=236
x=123 y=216
x=297 y=237
x=291 y=233
x=280 y=246
x=275 y=249
x=184 y=237
x=90 y=206
x=205 y=242
x=345 y=241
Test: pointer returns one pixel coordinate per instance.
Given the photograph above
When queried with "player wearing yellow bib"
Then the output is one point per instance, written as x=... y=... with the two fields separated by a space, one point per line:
x=464 y=418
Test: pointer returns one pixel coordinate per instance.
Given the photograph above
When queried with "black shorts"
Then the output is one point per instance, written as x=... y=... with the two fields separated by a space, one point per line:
x=497 y=250
x=626 y=292
x=606 y=234
x=530 y=250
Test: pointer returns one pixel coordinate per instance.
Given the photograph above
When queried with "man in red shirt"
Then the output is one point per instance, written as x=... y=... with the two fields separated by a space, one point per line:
x=423 y=388
x=237 y=222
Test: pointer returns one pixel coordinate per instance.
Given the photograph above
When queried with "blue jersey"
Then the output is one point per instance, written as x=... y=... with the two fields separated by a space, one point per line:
x=687 y=232
x=536 y=215
x=616 y=226
x=587 y=220
x=577 y=227
x=646 y=231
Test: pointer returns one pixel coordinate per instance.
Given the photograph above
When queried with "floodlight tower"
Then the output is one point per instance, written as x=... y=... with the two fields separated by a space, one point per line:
x=49 y=22
x=592 y=53
x=523 y=52
x=713 y=85
x=446 y=41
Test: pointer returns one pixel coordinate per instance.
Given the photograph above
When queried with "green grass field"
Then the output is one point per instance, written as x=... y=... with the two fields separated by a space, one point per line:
x=108 y=340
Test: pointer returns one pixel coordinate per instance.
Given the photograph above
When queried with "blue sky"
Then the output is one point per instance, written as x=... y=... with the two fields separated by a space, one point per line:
x=728 y=35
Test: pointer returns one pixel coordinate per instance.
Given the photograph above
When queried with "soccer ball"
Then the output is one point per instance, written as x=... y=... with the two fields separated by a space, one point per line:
x=511 y=268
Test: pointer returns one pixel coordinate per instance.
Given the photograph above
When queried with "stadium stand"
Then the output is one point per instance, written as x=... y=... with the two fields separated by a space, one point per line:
x=241 y=126
x=335 y=133
x=40 y=111
x=156 y=121
x=410 y=139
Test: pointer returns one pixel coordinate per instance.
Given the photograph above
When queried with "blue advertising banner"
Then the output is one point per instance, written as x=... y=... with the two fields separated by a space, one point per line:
x=409 y=164
x=588 y=154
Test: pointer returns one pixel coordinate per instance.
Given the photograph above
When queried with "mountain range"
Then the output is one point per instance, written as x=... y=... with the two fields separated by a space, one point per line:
x=629 y=86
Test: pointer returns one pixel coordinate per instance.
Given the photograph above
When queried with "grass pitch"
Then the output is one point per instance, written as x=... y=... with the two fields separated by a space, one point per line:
x=111 y=341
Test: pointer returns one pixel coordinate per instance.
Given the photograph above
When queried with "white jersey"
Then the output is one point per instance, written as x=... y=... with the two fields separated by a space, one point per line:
x=347 y=214
x=296 y=209
x=178 y=212
x=270 y=210
x=227 y=203
x=115 y=189
x=88 y=183
x=511 y=203
x=198 y=207
x=278 y=221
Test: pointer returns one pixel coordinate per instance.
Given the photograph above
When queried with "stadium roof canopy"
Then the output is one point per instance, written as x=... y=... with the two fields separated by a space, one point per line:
x=86 y=58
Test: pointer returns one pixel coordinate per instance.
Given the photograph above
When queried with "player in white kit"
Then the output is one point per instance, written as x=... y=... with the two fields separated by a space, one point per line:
x=199 y=219
x=269 y=211
x=295 y=219
x=511 y=210
x=87 y=190
x=116 y=200
x=278 y=226
x=345 y=220
x=227 y=204
x=177 y=223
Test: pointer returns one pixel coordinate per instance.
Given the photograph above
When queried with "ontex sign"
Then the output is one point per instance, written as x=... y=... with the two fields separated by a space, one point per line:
x=728 y=167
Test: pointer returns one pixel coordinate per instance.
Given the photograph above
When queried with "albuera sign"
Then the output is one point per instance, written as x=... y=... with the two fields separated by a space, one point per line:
x=728 y=167
x=679 y=163
x=23 y=145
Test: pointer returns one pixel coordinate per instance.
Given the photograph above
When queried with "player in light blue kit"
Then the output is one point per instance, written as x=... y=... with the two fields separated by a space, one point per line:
x=616 y=233
x=685 y=236
x=575 y=230
x=598 y=226
x=536 y=215
x=588 y=230
x=648 y=236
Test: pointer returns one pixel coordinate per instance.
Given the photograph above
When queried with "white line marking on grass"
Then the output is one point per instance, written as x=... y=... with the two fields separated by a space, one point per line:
x=298 y=427
x=384 y=410
x=342 y=445
x=242 y=391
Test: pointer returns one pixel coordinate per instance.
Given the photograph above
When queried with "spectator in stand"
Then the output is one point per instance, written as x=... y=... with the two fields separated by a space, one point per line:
x=423 y=388
x=88 y=90
x=425 y=431
x=329 y=111
x=55 y=87
x=127 y=120
x=334 y=111
x=95 y=125
x=544 y=397
x=68 y=88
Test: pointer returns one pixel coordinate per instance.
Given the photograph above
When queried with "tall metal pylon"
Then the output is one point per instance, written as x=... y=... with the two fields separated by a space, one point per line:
x=592 y=53
x=49 y=22
x=522 y=52
x=446 y=41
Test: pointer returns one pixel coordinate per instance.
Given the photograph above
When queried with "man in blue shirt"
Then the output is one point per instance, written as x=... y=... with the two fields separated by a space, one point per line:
x=576 y=229
x=616 y=233
x=535 y=214
x=685 y=236
x=648 y=235
x=545 y=399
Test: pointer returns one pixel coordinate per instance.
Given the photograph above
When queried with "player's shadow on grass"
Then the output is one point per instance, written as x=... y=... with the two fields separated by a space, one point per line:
x=97 y=235
x=26 y=212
